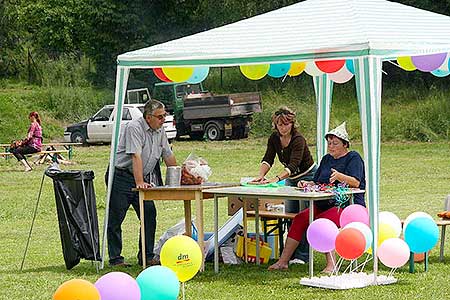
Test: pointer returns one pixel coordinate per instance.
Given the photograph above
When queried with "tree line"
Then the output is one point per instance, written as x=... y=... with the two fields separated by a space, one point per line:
x=41 y=31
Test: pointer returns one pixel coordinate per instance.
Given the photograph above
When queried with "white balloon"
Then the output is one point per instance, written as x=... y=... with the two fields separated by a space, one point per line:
x=444 y=66
x=417 y=214
x=341 y=76
x=312 y=69
x=390 y=218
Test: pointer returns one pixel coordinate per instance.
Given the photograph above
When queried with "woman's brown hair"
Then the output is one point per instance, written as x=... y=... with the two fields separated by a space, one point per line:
x=285 y=115
x=36 y=116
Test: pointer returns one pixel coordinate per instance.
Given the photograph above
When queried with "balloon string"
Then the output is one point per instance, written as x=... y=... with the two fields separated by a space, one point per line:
x=363 y=264
x=349 y=266
x=391 y=273
x=338 y=266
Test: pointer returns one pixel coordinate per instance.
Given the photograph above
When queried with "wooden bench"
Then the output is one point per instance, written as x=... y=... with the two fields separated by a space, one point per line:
x=283 y=221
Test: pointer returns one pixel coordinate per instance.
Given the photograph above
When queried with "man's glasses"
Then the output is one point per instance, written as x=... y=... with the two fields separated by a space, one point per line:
x=283 y=112
x=160 y=117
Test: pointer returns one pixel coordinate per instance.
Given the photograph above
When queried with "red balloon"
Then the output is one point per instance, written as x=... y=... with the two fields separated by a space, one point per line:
x=330 y=66
x=350 y=243
x=160 y=74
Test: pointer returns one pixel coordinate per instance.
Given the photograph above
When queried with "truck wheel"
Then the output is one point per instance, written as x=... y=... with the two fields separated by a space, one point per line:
x=77 y=137
x=213 y=132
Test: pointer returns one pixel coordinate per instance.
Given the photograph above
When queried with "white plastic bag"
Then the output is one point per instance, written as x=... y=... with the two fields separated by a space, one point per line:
x=195 y=170
x=177 y=229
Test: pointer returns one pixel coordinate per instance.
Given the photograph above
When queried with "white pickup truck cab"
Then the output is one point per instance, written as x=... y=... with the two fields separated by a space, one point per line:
x=98 y=128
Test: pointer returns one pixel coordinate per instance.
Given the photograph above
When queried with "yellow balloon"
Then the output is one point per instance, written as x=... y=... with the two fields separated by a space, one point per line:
x=296 y=68
x=182 y=255
x=76 y=289
x=255 y=72
x=406 y=63
x=385 y=231
x=178 y=74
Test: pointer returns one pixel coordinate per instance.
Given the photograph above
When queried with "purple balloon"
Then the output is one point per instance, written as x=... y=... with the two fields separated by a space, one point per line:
x=118 y=286
x=321 y=235
x=430 y=62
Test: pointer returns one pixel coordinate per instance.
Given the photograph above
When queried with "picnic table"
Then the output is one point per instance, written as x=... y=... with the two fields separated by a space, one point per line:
x=52 y=151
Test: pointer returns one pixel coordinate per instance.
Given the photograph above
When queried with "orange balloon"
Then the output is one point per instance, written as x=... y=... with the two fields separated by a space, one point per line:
x=76 y=289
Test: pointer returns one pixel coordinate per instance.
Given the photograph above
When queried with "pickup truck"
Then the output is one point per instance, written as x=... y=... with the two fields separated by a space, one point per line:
x=98 y=128
x=199 y=113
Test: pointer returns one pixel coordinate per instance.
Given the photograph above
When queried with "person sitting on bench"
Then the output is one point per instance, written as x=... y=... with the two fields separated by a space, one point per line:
x=31 y=144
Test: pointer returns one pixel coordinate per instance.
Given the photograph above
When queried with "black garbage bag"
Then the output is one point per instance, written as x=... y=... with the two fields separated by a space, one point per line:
x=77 y=214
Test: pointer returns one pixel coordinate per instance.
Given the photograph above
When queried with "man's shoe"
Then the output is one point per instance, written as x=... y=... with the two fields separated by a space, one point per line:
x=150 y=262
x=120 y=264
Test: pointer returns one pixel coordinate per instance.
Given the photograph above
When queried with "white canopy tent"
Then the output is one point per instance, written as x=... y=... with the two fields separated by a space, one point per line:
x=369 y=32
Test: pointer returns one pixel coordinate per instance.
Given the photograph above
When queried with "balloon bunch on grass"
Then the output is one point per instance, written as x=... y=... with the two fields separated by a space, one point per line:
x=181 y=259
x=355 y=237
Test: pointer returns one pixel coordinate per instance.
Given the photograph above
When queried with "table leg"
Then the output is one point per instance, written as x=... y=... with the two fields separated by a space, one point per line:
x=311 y=253
x=216 y=234
x=257 y=231
x=141 y=212
x=441 y=249
x=199 y=222
x=244 y=209
x=188 y=218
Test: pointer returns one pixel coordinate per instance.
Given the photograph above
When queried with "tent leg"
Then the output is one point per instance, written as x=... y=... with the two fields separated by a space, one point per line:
x=32 y=222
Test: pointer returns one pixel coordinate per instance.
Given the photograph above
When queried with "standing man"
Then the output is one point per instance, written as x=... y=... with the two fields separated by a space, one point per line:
x=142 y=144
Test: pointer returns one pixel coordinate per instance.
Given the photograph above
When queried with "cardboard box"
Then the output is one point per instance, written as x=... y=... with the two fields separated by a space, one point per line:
x=235 y=203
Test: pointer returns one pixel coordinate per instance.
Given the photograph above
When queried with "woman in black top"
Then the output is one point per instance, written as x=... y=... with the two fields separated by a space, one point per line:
x=292 y=151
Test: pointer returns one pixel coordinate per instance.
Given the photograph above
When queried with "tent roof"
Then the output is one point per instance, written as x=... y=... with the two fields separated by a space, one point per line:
x=312 y=29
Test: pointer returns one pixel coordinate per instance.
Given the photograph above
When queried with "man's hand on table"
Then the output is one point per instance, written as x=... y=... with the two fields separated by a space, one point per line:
x=144 y=185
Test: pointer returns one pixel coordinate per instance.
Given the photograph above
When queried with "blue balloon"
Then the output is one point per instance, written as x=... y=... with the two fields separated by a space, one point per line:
x=440 y=73
x=200 y=74
x=279 y=70
x=421 y=234
x=350 y=66
x=158 y=283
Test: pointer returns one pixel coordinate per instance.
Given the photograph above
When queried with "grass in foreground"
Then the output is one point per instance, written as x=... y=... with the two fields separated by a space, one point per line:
x=415 y=177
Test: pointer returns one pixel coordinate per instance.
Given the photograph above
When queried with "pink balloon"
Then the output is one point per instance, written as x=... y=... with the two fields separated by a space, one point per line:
x=341 y=76
x=393 y=252
x=321 y=235
x=428 y=63
x=354 y=213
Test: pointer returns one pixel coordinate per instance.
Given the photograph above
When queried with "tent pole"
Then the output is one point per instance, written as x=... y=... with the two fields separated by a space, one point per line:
x=368 y=87
x=121 y=87
x=323 y=88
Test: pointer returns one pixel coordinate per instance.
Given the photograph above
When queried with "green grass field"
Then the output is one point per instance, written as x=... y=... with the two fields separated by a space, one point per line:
x=415 y=177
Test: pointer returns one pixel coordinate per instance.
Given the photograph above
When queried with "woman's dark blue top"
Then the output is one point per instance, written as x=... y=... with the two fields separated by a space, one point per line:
x=351 y=164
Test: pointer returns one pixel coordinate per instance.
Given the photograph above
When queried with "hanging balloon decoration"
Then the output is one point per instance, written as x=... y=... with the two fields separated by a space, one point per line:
x=341 y=76
x=349 y=63
x=279 y=70
x=160 y=75
x=330 y=66
x=312 y=70
x=200 y=74
x=428 y=63
x=446 y=65
x=255 y=72
x=178 y=74
x=440 y=73
x=405 y=62
x=296 y=68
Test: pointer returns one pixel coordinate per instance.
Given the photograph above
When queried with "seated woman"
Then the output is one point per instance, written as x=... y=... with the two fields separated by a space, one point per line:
x=339 y=166
x=31 y=144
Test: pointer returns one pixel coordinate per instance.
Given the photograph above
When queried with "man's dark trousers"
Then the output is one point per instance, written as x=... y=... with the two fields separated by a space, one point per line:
x=122 y=197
